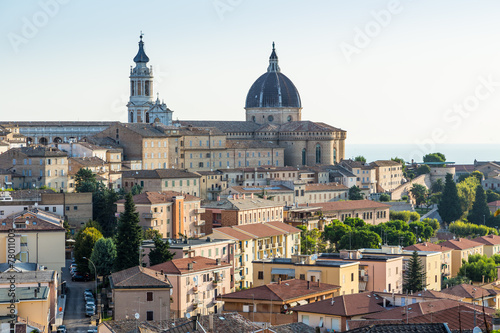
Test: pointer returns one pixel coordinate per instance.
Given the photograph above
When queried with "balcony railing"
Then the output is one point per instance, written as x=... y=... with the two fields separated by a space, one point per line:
x=216 y=282
x=199 y=223
x=150 y=215
x=199 y=210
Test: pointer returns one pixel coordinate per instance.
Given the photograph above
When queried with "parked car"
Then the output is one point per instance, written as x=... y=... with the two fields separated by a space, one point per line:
x=90 y=303
x=61 y=329
x=87 y=294
x=80 y=277
x=92 y=329
x=89 y=299
x=89 y=311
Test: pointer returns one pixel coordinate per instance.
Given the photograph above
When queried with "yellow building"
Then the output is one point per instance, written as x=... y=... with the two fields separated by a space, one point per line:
x=462 y=248
x=306 y=267
x=39 y=237
x=491 y=244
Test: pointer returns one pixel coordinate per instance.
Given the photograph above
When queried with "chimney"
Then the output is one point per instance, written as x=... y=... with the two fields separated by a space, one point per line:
x=161 y=272
x=385 y=305
x=190 y=266
x=243 y=196
x=251 y=196
x=308 y=284
x=279 y=280
x=265 y=197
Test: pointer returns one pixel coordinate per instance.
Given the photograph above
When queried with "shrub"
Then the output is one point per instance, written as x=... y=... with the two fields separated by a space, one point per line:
x=384 y=197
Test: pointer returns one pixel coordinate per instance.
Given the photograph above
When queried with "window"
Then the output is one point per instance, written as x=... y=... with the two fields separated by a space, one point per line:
x=302 y=276
x=352 y=277
x=149 y=296
x=75 y=207
x=53 y=209
x=305 y=319
x=261 y=275
x=149 y=315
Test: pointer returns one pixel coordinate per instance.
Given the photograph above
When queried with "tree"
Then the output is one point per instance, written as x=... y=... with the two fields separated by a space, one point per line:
x=160 y=253
x=334 y=231
x=467 y=193
x=360 y=159
x=384 y=197
x=103 y=256
x=480 y=211
x=84 y=243
x=311 y=241
x=479 y=266
x=136 y=189
x=404 y=215
x=360 y=238
x=85 y=181
x=437 y=186
x=449 y=206
x=423 y=169
x=415 y=276
x=478 y=174
x=104 y=208
x=419 y=193
x=151 y=234
x=128 y=238
x=355 y=193
x=463 y=229
x=434 y=157
x=492 y=196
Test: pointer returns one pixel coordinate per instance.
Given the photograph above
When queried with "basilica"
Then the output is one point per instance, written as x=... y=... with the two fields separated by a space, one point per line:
x=273 y=118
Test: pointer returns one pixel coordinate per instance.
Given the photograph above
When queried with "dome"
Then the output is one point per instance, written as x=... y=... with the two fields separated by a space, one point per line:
x=273 y=89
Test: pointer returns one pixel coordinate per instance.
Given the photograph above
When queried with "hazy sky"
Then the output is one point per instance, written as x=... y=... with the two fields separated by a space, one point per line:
x=385 y=71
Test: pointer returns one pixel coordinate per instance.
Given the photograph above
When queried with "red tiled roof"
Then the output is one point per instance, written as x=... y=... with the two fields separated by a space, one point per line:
x=494 y=203
x=488 y=240
x=259 y=230
x=458 y=317
x=283 y=226
x=349 y=205
x=346 y=305
x=180 y=266
x=235 y=233
x=460 y=244
x=468 y=291
x=426 y=246
x=285 y=291
x=139 y=277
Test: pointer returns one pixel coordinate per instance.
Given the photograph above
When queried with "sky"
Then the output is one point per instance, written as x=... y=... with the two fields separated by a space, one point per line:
x=415 y=72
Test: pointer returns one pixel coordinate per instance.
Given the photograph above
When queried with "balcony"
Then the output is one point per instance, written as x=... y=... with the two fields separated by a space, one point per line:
x=260 y=247
x=111 y=305
x=267 y=246
x=150 y=215
x=199 y=210
x=216 y=282
x=242 y=249
x=363 y=278
x=199 y=223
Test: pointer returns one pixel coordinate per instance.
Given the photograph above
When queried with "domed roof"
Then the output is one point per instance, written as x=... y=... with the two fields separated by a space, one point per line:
x=141 y=55
x=273 y=89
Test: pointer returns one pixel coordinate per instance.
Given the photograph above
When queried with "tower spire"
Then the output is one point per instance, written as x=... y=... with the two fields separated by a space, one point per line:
x=141 y=54
x=273 y=62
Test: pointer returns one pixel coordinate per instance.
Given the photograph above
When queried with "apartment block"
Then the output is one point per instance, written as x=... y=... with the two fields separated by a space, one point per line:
x=163 y=180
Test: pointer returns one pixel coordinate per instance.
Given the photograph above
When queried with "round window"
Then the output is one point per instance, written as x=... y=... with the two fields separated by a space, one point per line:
x=270 y=118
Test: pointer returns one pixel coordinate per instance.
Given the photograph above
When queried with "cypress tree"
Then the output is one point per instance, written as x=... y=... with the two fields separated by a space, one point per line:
x=160 y=253
x=415 y=277
x=449 y=206
x=480 y=211
x=129 y=236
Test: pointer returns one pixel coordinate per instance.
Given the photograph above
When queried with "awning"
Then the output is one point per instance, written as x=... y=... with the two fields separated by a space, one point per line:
x=237 y=277
x=302 y=302
x=283 y=271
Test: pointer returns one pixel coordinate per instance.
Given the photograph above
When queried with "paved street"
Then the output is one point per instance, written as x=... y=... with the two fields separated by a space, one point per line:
x=74 y=317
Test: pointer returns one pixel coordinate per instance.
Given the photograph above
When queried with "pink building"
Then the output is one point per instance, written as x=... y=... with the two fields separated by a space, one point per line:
x=196 y=283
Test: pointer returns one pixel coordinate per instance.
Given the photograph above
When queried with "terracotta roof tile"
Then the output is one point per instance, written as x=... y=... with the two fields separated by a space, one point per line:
x=234 y=233
x=346 y=305
x=349 y=205
x=259 y=230
x=426 y=246
x=286 y=291
x=488 y=240
x=139 y=277
x=460 y=244
x=468 y=291
x=180 y=266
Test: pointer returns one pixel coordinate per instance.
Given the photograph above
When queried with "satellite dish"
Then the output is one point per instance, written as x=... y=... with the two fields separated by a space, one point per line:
x=476 y=330
x=285 y=307
x=188 y=315
x=136 y=316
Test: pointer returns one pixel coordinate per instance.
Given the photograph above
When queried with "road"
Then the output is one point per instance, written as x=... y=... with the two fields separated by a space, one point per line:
x=74 y=316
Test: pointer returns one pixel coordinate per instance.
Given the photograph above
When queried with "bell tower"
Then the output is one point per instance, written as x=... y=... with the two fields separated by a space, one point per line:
x=141 y=88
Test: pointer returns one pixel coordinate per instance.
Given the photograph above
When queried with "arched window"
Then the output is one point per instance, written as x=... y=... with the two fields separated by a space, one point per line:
x=289 y=118
x=131 y=120
x=318 y=153
x=304 y=156
x=334 y=155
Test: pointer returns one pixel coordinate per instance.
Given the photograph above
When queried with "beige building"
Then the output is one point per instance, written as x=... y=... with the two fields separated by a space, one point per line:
x=446 y=255
x=376 y=273
x=241 y=210
x=36 y=167
x=310 y=268
x=366 y=177
x=271 y=302
x=39 y=238
x=212 y=183
x=196 y=284
x=389 y=174
x=163 y=180
x=461 y=249
x=257 y=241
x=171 y=213
x=36 y=292
x=431 y=260
x=491 y=244
x=140 y=290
